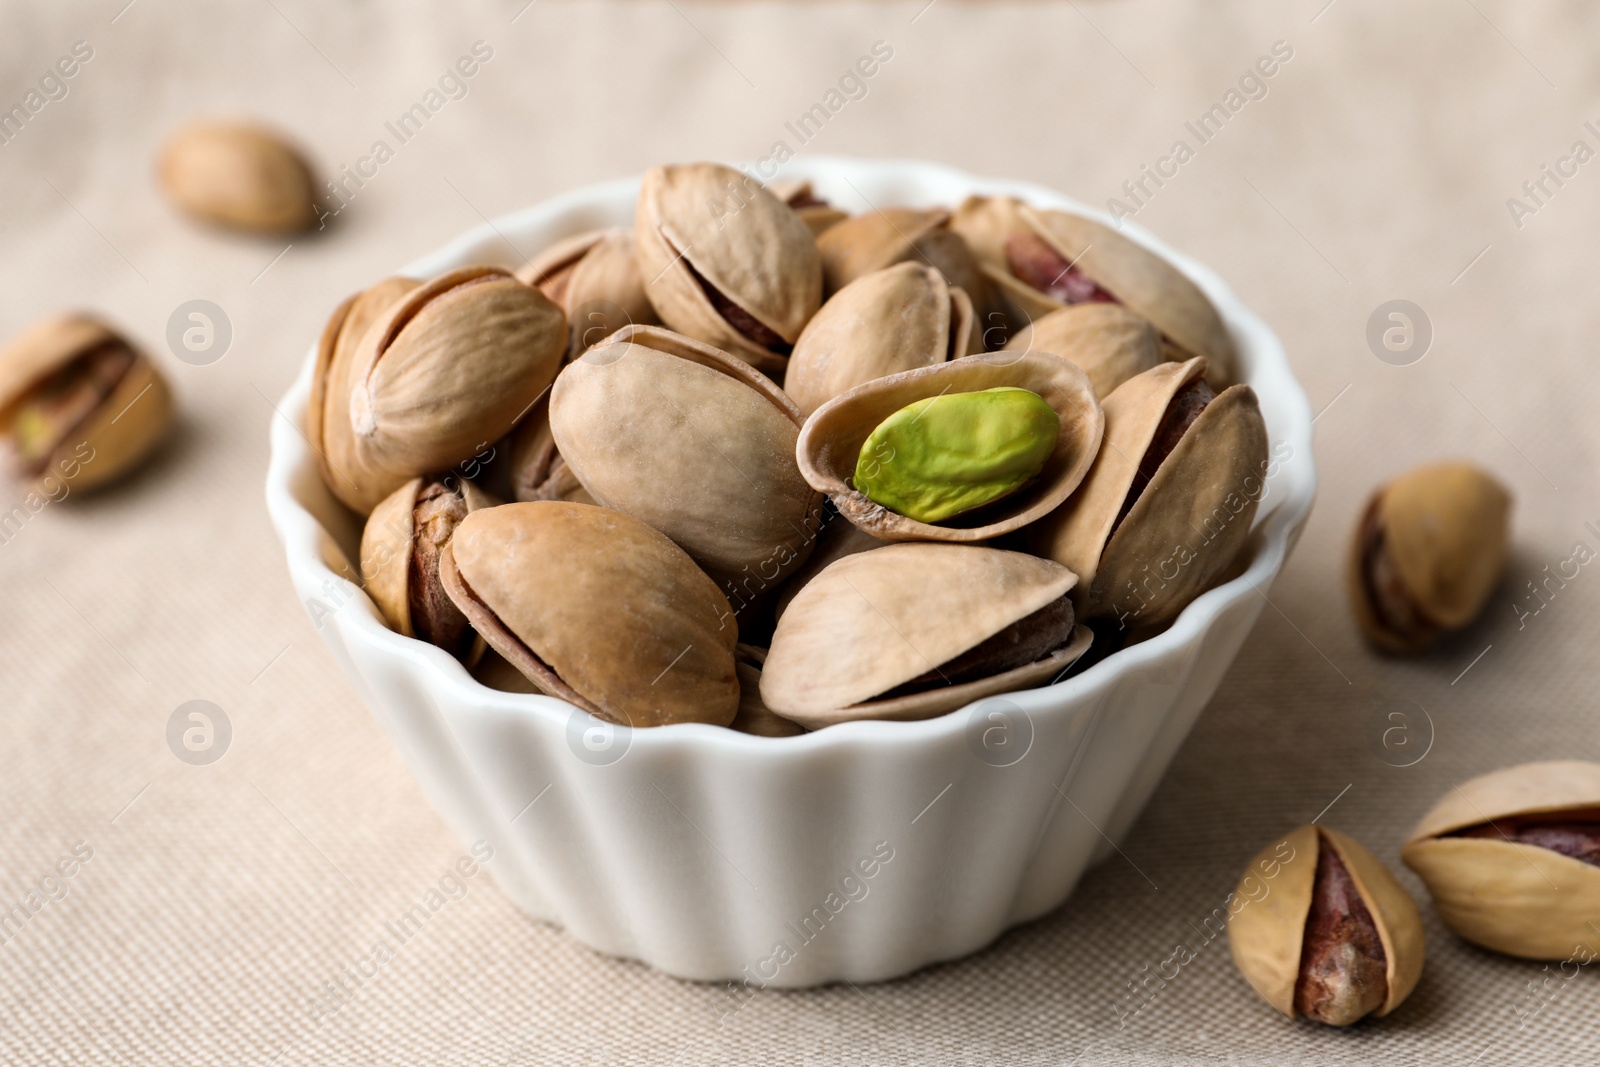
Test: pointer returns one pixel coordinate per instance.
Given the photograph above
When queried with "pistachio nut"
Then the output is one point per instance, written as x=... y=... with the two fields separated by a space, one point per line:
x=1512 y=859
x=598 y=609
x=79 y=404
x=1428 y=550
x=1108 y=341
x=1332 y=936
x=882 y=323
x=449 y=367
x=1044 y=260
x=400 y=547
x=695 y=443
x=594 y=278
x=910 y=631
x=726 y=262
x=754 y=716
x=829 y=448
x=816 y=213
x=945 y=455
x=327 y=417
x=1168 y=505
x=239 y=175
x=537 y=471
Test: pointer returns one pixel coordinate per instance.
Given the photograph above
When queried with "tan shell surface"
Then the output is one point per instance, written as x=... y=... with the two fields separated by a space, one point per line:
x=882 y=323
x=702 y=449
x=328 y=410
x=831 y=440
x=1075 y=534
x=754 y=716
x=448 y=368
x=835 y=540
x=1447 y=532
x=875 y=620
x=1146 y=283
x=46 y=347
x=1526 y=789
x=1184 y=532
x=1267 y=934
x=1515 y=898
x=239 y=175
x=817 y=217
x=594 y=278
x=387 y=540
x=872 y=241
x=1393 y=912
x=760 y=255
x=613 y=608
x=1110 y=343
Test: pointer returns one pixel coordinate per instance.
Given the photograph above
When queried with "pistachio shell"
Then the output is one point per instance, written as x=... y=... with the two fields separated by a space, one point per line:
x=891 y=320
x=105 y=443
x=873 y=621
x=328 y=411
x=818 y=215
x=239 y=175
x=537 y=471
x=598 y=609
x=1445 y=531
x=387 y=541
x=1108 y=341
x=713 y=222
x=835 y=540
x=594 y=278
x=1183 y=520
x=754 y=716
x=693 y=442
x=451 y=366
x=830 y=444
x=1506 y=895
x=1267 y=933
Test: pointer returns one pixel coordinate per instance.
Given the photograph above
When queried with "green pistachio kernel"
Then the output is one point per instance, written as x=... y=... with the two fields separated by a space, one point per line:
x=938 y=457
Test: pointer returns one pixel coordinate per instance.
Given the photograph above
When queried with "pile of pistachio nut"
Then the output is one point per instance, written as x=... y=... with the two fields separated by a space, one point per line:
x=754 y=462
x=1323 y=931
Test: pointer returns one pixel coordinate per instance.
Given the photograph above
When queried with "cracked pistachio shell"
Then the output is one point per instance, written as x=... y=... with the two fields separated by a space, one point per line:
x=598 y=609
x=449 y=367
x=328 y=411
x=895 y=319
x=711 y=221
x=239 y=175
x=873 y=621
x=830 y=444
x=1185 y=520
x=1267 y=932
x=1108 y=341
x=594 y=278
x=1138 y=278
x=1508 y=896
x=111 y=439
x=1446 y=531
x=695 y=443
x=817 y=214
x=387 y=542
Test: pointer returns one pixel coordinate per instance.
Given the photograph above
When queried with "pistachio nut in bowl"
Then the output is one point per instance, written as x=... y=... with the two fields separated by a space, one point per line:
x=695 y=847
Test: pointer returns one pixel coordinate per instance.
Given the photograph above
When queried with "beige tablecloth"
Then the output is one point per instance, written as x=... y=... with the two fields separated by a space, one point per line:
x=210 y=908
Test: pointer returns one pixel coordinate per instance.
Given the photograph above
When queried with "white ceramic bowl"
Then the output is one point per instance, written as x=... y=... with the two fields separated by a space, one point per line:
x=859 y=852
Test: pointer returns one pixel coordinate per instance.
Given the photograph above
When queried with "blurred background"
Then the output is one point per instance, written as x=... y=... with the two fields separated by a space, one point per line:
x=1395 y=154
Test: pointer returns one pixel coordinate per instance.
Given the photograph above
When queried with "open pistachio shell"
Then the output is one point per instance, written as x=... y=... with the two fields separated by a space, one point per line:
x=874 y=621
x=817 y=214
x=447 y=369
x=1108 y=341
x=1132 y=275
x=598 y=609
x=95 y=425
x=726 y=262
x=695 y=443
x=594 y=278
x=1505 y=894
x=1188 y=524
x=1267 y=931
x=389 y=562
x=328 y=411
x=1443 y=533
x=891 y=320
x=830 y=444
